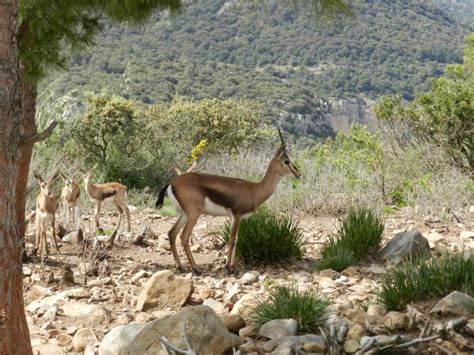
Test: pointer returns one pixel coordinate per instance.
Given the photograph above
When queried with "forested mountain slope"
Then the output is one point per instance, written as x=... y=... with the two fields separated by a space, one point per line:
x=274 y=52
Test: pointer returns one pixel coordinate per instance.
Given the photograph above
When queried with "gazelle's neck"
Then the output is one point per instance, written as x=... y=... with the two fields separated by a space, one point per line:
x=268 y=184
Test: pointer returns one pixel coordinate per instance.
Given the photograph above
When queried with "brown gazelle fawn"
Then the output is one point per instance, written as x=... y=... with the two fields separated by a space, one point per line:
x=69 y=198
x=46 y=206
x=109 y=192
x=194 y=194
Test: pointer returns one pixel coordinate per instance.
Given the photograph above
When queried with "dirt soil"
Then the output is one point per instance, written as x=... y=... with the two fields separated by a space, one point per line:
x=112 y=287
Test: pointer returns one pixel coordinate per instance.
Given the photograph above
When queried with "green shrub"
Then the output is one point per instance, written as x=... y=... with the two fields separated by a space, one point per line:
x=265 y=238
x=308 y=308
x=418 y=279
x=336 y=257
x=360 y=234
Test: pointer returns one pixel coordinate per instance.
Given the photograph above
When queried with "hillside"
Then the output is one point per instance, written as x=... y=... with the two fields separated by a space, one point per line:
x=298 y=66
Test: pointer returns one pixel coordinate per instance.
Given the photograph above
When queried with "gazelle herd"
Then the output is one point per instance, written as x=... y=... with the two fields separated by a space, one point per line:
x=192 y=193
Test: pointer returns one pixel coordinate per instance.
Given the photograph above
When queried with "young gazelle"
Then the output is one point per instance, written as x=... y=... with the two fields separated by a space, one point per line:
x=69 y=197
x=194 y=194
x=108 y=192
x=46 y=206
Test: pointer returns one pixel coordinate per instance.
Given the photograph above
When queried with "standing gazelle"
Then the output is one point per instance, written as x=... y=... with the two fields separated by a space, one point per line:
x=69 y=197
x=108 y=192
x=46 y=206
x=194 y=194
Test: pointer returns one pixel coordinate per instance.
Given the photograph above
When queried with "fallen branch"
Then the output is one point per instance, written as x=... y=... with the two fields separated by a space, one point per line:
x=415 y=341
x=168 y=347
x=38 y=137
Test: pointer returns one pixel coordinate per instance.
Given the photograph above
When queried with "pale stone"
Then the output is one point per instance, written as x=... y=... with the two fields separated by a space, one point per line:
x=136 y=278
x=245 y=306
x=376 y=310
x=466 y=234
x=204 y=331
x=82 y=338
x=89 y=315
x=279 y=328
x=144 y=317
x=64 y=339
x=356 y=332
x=351 y=346
x=249 y=278
x=37 y=293
x=396 y=320
x=165 y=289
x=216 y=306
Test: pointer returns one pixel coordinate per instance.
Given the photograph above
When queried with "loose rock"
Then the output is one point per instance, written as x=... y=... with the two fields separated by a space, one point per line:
x=204 y=331
x=165 y=289
x=82 y=338
x=279 y=328
x=405 y=244
x=454 y=303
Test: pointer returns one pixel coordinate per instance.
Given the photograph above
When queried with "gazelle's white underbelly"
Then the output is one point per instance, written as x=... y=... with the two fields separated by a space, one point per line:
x=214 y=209
x=44 y=216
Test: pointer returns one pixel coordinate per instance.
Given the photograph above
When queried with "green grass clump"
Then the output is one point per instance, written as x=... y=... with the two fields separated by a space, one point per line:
x=335 y=257
x=308 y=308
x=419 y=279
x=360 y=233
x=265 y=238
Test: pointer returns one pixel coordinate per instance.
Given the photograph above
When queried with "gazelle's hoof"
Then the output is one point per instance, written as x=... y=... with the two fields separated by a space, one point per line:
x=196 y=272
x=229 y=270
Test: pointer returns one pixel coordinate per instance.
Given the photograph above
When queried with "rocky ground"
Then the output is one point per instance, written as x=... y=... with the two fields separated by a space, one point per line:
x=136 y=286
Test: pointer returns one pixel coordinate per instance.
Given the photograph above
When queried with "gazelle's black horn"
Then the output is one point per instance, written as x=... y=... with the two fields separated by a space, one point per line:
x=281 y=137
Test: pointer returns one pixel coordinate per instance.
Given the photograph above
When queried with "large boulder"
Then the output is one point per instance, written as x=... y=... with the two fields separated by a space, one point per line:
x=164 y=289
x=204 y=330
x=89 y=315
x=405 y=244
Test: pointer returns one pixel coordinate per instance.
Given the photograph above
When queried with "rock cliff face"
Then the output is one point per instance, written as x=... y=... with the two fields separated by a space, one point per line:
x=332 y=116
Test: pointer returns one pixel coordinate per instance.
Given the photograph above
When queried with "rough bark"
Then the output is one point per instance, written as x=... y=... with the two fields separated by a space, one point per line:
x=27 y=129
x=14 y=334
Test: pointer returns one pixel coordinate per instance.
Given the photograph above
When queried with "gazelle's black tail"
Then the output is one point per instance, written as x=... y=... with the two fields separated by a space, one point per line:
x=161 y=197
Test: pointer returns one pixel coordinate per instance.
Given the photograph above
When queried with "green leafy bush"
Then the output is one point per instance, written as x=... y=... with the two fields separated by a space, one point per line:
x=308 y=308
x=418 y=279
x=360 y=233
x=265 y=238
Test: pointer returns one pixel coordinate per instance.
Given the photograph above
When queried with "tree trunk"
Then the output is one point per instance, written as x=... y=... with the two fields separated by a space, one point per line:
x=14 y=334
x=27 y=129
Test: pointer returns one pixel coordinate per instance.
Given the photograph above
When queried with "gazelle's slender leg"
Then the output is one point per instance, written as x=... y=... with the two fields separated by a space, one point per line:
x=38 y=237
x=45 y=240
x=120 y=222
x=172 y=234
x=232 y=242
x=53 y=223
x=129 y=229
x=97 y=212
x=188 y=229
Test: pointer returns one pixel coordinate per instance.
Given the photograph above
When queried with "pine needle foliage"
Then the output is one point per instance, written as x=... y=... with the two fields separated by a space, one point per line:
x=283 y=302
x=359 y=235
x=419 y=279
x=265 y=238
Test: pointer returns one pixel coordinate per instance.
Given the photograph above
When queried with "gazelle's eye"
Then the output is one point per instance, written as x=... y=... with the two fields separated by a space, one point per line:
x=287 y=162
